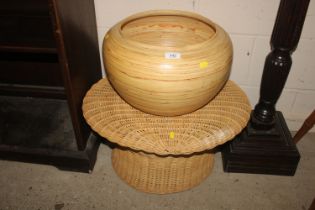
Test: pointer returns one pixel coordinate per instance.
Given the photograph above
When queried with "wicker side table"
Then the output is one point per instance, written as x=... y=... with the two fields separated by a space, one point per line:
x=164 y=154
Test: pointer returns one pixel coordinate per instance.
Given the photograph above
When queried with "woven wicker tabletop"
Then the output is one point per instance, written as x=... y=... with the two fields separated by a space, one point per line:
x=214 y=124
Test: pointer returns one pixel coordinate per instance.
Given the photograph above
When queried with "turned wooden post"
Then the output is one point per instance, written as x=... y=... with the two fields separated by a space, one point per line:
x=265 y=146
x=284 y=40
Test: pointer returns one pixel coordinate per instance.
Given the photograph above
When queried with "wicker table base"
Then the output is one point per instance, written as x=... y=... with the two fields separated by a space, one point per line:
x=174 y=150
x=161 y=174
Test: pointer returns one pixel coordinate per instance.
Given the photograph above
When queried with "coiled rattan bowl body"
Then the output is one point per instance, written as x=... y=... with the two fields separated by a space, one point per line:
x=167 y=62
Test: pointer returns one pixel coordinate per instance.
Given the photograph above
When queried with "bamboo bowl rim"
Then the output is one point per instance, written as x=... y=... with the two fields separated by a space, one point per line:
x=117 y=30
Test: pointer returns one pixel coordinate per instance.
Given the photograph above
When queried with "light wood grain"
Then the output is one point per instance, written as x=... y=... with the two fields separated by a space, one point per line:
x=134 y=57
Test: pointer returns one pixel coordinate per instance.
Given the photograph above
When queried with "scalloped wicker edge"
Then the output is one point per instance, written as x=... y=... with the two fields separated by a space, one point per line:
x=214 y=124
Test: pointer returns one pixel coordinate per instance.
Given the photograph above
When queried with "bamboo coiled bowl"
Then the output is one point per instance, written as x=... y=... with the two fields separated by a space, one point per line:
x=167 y=63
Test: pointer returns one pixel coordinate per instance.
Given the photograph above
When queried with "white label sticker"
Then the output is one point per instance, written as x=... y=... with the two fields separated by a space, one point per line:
x=172 y=55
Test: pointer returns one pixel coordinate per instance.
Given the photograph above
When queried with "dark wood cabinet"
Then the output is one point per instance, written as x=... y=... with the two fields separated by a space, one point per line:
x=48 y=53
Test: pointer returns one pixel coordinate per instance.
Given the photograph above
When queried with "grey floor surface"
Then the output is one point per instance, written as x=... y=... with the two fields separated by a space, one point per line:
x=32 y=186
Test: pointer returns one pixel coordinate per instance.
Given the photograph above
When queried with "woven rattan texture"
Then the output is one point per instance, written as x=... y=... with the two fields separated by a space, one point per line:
x=214 y=124
x=154 y=174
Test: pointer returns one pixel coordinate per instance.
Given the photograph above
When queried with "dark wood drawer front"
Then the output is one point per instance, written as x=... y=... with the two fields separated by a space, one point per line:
x=26 y=25
x=26 y=31
x=25 y=7
x=30 y=69
x=30 y=73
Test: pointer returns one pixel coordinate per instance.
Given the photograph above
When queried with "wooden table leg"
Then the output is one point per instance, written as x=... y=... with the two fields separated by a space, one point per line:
x=312 y=207
x=307 y=125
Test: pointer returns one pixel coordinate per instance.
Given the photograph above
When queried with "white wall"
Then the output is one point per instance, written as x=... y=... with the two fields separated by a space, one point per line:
x=249 y=23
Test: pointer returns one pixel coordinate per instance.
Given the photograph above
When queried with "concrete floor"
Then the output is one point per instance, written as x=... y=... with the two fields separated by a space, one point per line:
x=32 y=186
